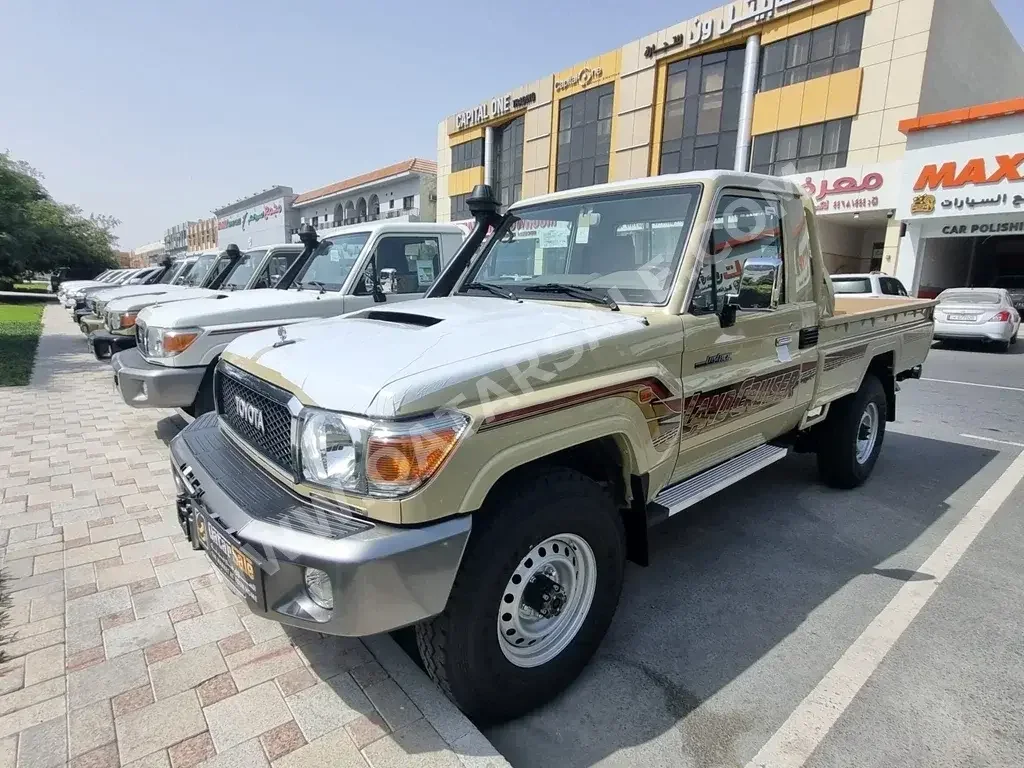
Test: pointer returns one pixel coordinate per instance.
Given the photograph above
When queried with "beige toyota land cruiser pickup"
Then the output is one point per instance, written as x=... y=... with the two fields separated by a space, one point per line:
x=482 y=462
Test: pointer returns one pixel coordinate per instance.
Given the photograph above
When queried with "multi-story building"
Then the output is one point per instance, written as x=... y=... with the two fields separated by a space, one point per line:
x=202 y=234
x=405 y=191
x=176 y=238
x=264 y=218
x=150 y=253
x=813 y=89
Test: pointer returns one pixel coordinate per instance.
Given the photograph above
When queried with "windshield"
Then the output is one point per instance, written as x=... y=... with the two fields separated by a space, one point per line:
x=181 y=278
x=331 y=262
x=201 y=269
x=243 y=271
x=626 y=246
x=851 y=284
x=169 y=273
x=968 y=297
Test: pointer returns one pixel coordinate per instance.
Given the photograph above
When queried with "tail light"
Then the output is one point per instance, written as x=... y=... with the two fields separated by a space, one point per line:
x=1001 y=317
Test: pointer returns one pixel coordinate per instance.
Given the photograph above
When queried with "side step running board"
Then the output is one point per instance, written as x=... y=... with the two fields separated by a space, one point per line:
x=678 y=497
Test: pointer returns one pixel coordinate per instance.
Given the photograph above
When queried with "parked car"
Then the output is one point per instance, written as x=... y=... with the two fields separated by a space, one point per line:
x=85 y=295
x=867 y=284
x=66 y=294
x=257 y=268
x=977 y=314
x=179 y=344
x=68 y=274
x=481 y=463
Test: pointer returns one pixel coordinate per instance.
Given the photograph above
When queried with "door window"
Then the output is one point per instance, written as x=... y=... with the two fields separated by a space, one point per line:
x=743 y=265
x=406 y=264
x=891 y=286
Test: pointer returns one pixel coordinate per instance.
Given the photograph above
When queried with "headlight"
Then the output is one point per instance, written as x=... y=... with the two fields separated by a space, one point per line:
x=168 y=342
x=378 y=458
x=119 y=321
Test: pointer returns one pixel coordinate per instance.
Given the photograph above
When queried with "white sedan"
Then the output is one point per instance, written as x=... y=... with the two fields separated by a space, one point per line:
x=980 y=314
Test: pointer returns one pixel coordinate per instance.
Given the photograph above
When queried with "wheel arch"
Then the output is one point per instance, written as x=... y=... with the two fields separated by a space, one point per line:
x=883 y=366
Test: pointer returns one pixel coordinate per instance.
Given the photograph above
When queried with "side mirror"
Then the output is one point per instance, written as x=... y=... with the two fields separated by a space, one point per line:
x=727 y=316
x=758 y=286
x=372 y=283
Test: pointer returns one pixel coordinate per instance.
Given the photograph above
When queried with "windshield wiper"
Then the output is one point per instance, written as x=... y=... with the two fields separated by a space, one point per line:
x=502 y=292
x=321 y=286
x=576 y=291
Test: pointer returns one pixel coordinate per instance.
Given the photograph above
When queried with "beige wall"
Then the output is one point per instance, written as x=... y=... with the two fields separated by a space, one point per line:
x=892 y=58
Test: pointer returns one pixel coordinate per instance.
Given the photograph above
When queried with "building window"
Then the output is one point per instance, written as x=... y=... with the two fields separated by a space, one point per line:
x=407 y=202
x=508 y=161
x=816 y=147
x=469 y=154
x=820 y=52
x=702 y=112
x=460 y=211
x=584 y=138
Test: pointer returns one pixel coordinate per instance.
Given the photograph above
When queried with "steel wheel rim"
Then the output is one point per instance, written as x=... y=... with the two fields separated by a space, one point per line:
x=867 y=433
x=526 y=637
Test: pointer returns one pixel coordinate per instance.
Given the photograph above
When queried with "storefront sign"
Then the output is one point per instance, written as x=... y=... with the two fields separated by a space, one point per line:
x=250 y=217
x=852 y=189
x=711 y=26
x=583 y=78
x=967 y=178
x=979 y=226
x=494 y=108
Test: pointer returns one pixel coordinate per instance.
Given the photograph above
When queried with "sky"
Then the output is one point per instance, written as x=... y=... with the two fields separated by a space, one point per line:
x=158 y=112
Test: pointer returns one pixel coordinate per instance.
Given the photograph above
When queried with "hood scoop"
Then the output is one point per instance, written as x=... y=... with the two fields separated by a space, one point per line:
x=400 y=318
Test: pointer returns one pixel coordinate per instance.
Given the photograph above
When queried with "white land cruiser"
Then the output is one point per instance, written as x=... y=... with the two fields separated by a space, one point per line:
x=220 y=273
x=179 y=344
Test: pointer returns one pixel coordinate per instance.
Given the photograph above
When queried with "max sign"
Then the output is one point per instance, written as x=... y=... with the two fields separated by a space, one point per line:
x=978 y=170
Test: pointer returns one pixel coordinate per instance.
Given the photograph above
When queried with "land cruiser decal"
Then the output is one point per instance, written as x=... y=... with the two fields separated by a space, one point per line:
x=704 y=410
x=836 y=359
x=661 y=408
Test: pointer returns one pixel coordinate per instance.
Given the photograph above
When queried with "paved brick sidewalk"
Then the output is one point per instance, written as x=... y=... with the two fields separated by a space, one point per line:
x=127 y=649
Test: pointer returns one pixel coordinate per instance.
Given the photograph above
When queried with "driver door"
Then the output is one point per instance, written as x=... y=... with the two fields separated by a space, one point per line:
x=746 y=383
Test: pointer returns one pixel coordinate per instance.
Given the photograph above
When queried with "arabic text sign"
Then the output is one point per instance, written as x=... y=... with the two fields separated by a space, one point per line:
x=983 y=176
x=853 y=189
x=718 y=23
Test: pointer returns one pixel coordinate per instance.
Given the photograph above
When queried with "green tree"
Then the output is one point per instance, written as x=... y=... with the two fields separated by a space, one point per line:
x=38 y=234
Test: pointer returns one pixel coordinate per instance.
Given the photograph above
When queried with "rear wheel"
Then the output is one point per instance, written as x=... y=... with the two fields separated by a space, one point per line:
x=852 y=436
x=534 y=596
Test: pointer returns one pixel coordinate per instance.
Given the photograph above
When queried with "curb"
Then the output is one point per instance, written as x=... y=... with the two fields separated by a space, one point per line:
x=472 y=748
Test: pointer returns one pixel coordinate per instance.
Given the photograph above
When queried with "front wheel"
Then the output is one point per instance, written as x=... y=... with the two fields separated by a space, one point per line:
x=852 y=435
x=534 y=596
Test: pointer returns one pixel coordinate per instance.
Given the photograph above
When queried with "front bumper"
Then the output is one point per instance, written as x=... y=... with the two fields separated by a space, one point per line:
x=104 y=344
x=145 y=385
x=977 y=332
x=81 y=312
x=383 y=577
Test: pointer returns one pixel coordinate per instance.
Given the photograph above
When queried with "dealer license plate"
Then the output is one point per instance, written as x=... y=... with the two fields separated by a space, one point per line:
x=242 y=570
x=961 y=318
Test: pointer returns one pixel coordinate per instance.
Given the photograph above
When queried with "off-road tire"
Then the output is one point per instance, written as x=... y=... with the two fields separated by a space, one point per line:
x=837 y=446
x=460 y=647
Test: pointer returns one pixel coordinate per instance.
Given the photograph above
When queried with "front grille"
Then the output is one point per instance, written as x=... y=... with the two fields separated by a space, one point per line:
x=257 y=412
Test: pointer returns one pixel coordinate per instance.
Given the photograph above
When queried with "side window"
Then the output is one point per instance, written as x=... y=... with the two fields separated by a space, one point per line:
x=892 y=287
x=407 y=264
x=743 y=265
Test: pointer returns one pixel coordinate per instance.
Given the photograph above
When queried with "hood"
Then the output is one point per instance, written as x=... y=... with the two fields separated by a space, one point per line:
x=176 y=293
x=427 y=353
x=260 y=305
x=112 y=294
x=84 y=285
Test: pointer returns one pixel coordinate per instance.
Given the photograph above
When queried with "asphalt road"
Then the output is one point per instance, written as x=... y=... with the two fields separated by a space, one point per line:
x=799 y=625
